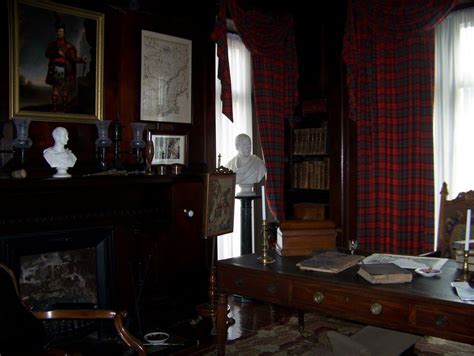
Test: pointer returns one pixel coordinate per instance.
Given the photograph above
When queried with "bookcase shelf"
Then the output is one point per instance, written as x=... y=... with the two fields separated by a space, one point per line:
x=308 y=164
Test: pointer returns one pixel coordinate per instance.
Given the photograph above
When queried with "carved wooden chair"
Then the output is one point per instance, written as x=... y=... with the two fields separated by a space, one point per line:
x=452 y=220
x=22 y=330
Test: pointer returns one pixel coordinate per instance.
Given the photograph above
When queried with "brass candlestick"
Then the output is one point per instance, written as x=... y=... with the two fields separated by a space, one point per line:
x=149 y=153
x=465 y=267
x=265 y=259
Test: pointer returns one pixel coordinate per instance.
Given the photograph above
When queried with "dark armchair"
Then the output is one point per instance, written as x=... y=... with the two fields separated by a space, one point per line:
x=22 y=331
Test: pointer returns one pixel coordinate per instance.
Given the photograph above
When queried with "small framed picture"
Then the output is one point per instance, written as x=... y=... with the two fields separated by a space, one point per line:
x=219 y=204
x=169 y=148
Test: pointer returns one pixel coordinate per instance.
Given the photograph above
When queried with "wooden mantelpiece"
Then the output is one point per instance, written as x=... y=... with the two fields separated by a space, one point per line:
x=84 y=199
x=155 y=243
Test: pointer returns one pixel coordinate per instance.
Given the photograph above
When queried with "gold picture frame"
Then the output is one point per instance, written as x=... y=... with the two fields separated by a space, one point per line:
x=54 y=78
x=219 y=203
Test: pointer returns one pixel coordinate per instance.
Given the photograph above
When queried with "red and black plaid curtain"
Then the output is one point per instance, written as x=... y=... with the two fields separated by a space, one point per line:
x=270 y=40
x=389 y=53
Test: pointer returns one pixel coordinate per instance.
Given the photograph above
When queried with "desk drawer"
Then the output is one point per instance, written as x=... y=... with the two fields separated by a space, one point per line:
x=367 y=308
x=274 y=290
x=444 y=320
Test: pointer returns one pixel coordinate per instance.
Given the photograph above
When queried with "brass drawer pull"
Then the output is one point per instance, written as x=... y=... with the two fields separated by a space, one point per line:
x=239 y=282
x=441 y=320
x=318 y=297
x=271 y=288
x=376 y=309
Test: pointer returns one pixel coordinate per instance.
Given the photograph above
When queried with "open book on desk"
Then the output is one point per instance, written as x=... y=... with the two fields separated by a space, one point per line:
x=405 y=261
x=329 y=261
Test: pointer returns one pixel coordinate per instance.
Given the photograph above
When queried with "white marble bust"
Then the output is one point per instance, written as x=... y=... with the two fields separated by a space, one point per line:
x=249 y=168
x=58 y=156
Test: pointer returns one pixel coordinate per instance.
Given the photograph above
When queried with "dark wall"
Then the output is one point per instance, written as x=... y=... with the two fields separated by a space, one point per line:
x=318 y=33
x=319 y=39
x=122 y=78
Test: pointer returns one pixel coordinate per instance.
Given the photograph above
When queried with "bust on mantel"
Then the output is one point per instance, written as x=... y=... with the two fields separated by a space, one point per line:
x=58 y=156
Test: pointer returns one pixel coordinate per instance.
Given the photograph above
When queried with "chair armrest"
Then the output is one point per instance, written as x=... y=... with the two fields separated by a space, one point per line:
x=116 y=316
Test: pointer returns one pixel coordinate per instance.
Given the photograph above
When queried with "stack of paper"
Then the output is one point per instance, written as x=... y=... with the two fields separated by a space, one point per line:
x=404 y=261
x=464 y=290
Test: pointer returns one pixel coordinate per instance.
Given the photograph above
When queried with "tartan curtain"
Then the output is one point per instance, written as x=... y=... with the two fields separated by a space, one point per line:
x=270 y=40
x=389 y=53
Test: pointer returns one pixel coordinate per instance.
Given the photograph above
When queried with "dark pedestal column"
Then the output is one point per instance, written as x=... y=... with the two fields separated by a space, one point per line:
x=246 y=223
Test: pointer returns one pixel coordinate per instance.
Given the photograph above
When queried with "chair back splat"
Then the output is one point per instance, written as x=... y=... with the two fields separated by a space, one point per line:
x=452 y=220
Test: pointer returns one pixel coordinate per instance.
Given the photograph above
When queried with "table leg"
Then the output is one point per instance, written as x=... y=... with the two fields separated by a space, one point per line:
x=301 y=321
x=221 y=321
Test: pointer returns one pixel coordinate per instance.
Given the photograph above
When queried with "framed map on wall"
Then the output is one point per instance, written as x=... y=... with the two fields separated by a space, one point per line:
x=165 y=78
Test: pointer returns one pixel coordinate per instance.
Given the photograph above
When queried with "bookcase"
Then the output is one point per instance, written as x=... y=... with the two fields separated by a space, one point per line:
x=309 y=163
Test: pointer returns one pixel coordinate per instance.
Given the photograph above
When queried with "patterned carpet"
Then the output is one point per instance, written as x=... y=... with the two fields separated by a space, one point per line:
x=284 y=338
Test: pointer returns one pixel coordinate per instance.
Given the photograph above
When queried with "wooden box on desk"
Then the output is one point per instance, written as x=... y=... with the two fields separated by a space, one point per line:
x=302 y=237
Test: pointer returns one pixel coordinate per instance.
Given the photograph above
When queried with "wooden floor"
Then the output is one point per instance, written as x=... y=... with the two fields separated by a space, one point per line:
x=248 y=316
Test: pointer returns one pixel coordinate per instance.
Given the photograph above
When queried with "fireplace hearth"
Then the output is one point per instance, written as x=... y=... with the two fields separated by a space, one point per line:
x=48 y=226
x=62 y=267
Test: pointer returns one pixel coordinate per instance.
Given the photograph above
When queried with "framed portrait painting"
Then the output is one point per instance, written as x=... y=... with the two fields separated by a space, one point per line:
x=56 y=62
x=165 y=78
x=169 y=148
x=219 y=204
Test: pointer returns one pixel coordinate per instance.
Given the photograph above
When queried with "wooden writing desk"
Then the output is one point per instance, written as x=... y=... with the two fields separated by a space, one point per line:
x=426 y=306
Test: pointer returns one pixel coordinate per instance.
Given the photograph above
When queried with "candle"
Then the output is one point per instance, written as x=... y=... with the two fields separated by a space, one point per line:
x=468 y=230
x=264 y=217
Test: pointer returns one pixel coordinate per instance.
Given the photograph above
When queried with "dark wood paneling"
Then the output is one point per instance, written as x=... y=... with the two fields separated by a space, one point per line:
x=153 y=240
x=122 y=79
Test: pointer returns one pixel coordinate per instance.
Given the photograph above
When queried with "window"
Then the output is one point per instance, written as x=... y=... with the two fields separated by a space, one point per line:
x=226 y=131
x=454 y=105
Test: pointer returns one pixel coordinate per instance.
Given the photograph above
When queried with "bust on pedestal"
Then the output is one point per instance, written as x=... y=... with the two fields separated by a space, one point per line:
x=249 y=169
x=58 y=156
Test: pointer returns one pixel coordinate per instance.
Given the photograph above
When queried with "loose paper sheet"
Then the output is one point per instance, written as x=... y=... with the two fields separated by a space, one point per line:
x=464 y=290
x=405 y=261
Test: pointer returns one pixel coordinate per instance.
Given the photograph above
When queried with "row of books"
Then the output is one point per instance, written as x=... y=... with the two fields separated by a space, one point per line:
x=310 y=141
x=310 y=174
x=303 y=237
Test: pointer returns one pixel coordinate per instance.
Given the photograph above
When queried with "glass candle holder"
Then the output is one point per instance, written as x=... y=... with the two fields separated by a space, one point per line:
x=138 y=143
x=103 y=130
x=22 y=141
x=103 y=141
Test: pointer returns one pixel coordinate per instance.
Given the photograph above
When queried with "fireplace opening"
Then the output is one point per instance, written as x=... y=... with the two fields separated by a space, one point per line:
x=59 y=277
x=64 y=269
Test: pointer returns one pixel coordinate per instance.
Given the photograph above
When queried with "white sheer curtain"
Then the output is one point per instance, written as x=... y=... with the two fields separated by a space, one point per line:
x=226 y=131
x=454 y=105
